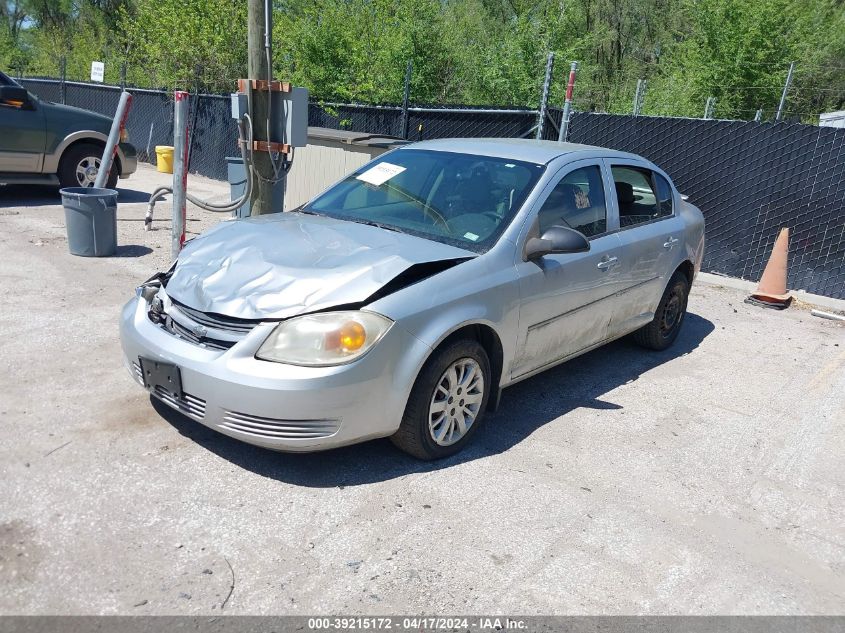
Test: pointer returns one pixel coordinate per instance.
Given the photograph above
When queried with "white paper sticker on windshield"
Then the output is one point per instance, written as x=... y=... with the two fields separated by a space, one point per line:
x=380 y=174
x=471 y=236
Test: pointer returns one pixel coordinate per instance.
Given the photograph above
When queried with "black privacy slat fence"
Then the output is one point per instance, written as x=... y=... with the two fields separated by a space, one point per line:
x=750 y=179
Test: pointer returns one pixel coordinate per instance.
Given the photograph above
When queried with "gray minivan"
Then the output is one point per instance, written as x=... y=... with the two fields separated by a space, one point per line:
x=53 y=144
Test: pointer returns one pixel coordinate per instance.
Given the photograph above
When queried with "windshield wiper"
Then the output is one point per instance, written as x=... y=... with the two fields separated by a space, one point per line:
x=379 y=225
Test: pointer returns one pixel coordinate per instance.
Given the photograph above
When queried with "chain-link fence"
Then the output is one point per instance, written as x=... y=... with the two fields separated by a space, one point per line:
x=749 y=178
x=214 y=132
x=428 y=122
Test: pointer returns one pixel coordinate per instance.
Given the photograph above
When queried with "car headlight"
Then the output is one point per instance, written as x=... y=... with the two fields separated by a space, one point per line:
x=124 y=135
x=327 y=338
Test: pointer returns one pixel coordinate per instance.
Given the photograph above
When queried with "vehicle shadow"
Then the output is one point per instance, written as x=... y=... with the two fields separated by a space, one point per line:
x=45 y=195
x=525 y=407
x=132 y=250
x=28 y=196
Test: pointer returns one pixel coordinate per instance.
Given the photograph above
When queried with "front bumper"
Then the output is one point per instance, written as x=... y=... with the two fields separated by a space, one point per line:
x=278 y=406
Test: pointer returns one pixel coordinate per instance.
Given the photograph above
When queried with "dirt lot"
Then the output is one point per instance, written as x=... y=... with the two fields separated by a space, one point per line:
x=706 y=479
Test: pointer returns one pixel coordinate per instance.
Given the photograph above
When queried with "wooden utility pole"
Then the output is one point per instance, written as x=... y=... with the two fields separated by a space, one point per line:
x=260 y=42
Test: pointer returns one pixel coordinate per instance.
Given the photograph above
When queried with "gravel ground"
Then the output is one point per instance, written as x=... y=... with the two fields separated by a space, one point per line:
x=705 y=479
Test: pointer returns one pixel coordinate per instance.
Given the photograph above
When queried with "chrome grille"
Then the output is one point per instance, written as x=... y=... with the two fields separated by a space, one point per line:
x=275 y=428
x=174 y=327
x=216 y=321
x=190 y=405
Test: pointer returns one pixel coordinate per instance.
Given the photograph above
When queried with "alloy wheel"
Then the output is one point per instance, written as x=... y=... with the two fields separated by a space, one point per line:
x=456 y=402
x=86 y=171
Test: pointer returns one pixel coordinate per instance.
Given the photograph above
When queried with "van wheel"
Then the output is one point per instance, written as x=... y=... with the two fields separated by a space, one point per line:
x=447 y=402
x=663 y=329
x=81 y=163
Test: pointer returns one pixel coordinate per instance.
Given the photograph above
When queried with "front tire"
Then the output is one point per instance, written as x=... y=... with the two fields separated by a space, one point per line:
x=80 y=164
x=447 y=402
x=669 y=316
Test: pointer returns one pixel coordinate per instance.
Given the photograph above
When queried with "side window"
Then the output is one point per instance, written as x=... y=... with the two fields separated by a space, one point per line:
x=636 y=196
x=664 y=195
x=578 y=202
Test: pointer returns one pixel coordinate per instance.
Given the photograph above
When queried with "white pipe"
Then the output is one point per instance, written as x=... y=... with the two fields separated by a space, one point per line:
x=827 y=315
x=117 y=124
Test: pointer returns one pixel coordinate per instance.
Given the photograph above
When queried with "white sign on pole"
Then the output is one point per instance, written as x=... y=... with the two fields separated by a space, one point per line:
x=98 y=70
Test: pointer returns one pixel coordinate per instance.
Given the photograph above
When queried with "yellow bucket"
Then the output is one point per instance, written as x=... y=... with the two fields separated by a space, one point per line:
x=164 y=159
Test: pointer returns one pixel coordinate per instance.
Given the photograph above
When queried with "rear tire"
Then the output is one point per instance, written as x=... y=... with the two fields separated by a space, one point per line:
x=669 y=316
x=79 y=164
x=447 y=402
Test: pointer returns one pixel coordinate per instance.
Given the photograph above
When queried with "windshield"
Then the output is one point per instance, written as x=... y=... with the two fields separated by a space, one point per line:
x=460 y=199
x=5 y=80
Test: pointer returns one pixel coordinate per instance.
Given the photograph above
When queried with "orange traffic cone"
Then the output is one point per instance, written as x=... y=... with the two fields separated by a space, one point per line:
x=771 y=291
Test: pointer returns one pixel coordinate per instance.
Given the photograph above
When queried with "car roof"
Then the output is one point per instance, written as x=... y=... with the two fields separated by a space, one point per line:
x=522 y=149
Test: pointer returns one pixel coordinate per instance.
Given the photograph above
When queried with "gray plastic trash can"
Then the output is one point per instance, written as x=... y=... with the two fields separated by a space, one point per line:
x=236 y=172
x=91 y=220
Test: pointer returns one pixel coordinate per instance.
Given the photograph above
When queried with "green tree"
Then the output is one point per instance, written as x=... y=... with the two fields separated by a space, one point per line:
x=179 y=43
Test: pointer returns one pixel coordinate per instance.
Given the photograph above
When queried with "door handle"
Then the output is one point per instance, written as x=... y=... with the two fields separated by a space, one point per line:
x=607 y=263
x=669 y=243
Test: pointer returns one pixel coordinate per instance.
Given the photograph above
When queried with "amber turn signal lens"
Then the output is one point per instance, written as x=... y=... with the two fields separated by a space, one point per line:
x=350 y=337
x=353 y=336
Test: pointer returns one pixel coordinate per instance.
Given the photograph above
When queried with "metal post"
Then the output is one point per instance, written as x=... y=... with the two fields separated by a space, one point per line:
x=709 y=107
x=639 y=96
x=635 y=109
x=563 y=133
x=544 y=100
x=758 y=116
x=782 y=103
x=180 y=171
x=62 y=85
x=405 y=98
x=194 y=111
x=117 y=124
x=642 y=96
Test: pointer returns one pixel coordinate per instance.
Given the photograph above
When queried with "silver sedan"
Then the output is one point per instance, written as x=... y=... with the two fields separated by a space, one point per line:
x=402 y=300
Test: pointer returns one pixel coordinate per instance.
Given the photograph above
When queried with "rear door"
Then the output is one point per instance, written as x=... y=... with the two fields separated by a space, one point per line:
x=22 y=135
x=566 y=300
x=650 y=234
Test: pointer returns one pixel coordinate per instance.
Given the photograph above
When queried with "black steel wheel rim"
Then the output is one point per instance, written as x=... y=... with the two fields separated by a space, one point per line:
x=672 y=314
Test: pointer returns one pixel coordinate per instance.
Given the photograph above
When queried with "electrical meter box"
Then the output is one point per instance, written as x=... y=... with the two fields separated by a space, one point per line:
x=289 y=113
x=290 y=117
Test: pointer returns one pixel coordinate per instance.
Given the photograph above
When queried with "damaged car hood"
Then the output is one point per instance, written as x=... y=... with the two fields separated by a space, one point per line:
x=284 y=264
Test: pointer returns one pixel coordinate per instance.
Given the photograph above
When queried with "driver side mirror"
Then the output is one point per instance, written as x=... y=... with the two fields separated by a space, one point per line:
x=15 y=97
x=557 y=240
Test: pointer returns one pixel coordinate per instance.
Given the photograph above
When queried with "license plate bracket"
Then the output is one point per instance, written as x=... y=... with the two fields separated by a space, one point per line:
x=164 y=375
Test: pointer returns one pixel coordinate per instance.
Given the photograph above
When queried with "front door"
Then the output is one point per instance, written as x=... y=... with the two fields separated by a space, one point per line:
x=566 y=299
x=22 y=137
